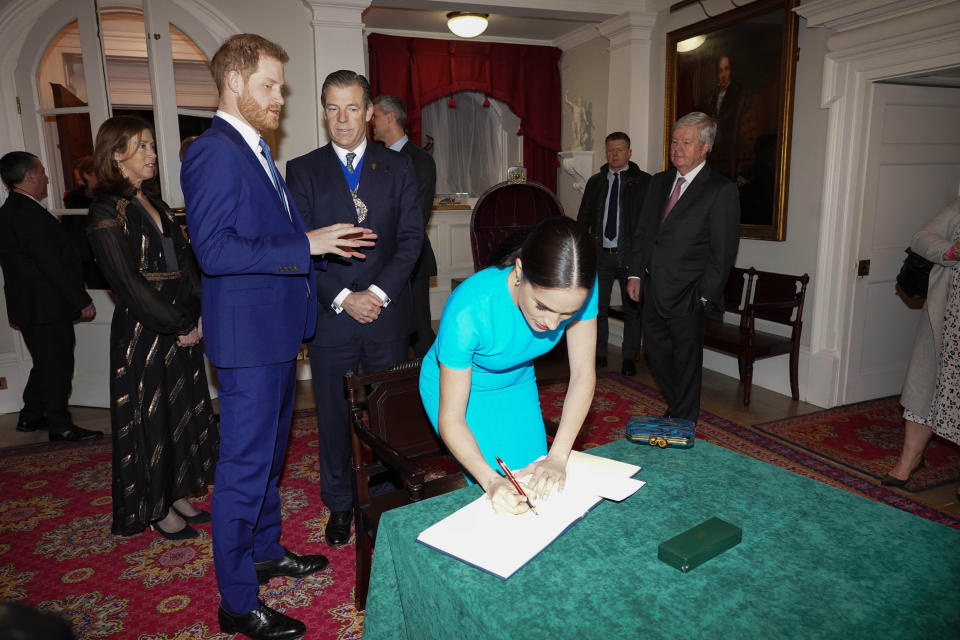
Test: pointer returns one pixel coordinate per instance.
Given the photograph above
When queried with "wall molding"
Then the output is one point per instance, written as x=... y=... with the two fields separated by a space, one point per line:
x=871 y=41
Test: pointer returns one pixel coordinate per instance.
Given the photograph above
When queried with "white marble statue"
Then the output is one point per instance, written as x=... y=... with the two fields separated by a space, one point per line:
x=580 y=121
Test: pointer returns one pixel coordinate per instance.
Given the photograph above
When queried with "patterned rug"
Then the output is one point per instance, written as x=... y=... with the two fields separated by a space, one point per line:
x=57 y=553
x=867 y=437
x=618 y=397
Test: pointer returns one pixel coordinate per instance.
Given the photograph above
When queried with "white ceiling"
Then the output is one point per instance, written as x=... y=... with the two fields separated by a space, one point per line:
x=542 y=21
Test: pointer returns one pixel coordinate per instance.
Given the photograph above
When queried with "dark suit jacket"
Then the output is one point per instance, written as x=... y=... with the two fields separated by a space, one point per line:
x=388 y=187
x=42 y=273
x=689 y=254
x=426 y=171
x=258 y=302
x=633 y=189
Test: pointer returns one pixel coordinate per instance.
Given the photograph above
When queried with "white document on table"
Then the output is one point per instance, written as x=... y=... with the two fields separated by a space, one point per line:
x=500 y=544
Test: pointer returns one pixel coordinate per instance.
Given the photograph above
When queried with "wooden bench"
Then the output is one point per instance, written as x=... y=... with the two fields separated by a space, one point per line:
x=752 y=295
x=760 y=295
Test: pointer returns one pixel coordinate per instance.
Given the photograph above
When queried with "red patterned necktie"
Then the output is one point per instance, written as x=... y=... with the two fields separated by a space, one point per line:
x=673 y=197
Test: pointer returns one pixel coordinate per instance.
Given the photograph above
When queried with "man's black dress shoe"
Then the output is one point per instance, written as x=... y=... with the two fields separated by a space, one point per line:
x=629 y=367
x=31 y=425
x=290 y=565
x=73 y=433
x=337 y=531
x=601 y=362
x=261 y=624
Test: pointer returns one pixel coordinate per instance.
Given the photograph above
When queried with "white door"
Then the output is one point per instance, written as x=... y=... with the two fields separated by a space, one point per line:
x=911 y=169
x=100 y=54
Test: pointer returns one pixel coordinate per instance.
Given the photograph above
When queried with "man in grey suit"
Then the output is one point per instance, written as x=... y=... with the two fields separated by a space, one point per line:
x=684 y=246
x=389 y=120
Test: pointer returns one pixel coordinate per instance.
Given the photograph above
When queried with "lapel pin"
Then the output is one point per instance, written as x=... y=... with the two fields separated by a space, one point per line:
x=373 y=166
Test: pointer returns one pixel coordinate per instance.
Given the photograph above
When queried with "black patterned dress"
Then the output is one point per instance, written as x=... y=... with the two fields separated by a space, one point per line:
x=165 y=438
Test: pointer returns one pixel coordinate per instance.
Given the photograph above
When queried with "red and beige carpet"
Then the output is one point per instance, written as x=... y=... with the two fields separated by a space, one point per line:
x=57 y=553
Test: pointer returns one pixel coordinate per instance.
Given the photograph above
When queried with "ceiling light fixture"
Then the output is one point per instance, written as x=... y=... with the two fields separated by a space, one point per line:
x=467 y=25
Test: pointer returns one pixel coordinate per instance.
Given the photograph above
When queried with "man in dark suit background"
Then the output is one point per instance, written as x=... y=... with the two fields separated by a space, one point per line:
x=366 y=313
x=258 y=306
x=43 y=282
x=389 y=120
x=610 y=209
x=684 y=247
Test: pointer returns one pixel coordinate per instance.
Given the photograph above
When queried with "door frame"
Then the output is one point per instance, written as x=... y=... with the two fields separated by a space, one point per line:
x=888 y=40
x=21 y=20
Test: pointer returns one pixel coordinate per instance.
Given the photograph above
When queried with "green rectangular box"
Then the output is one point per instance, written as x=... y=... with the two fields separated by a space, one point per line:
x=695 y=546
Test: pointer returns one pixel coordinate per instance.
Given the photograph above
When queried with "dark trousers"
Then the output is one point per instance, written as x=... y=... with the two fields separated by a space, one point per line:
x=51 y=378
x=674 y=348
x=610 y=270
x=329 y=365
x=423 y=336
x=256 y=407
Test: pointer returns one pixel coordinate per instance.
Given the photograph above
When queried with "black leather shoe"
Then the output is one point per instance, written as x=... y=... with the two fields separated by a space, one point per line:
x=202 y=517
x=32 y=425
x=893 y=481
x=629 y=367
x=337 y=531
x=261 y=624
x=290 y=565
x=601 y=362
x=73 y=433
x=186 y=533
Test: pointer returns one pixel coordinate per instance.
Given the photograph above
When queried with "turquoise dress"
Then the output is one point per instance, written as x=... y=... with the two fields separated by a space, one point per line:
x=482 y=328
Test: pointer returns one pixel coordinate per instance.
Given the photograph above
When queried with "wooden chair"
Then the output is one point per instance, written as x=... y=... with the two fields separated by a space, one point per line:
x=764 y=295
x=506 y=210
x=391 y=438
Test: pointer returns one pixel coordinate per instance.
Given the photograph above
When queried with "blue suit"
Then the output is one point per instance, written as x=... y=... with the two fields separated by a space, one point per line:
x=257 y=310
x=388 y=187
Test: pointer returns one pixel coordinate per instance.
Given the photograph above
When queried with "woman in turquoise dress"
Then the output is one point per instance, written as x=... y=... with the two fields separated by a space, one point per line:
x=477 y=380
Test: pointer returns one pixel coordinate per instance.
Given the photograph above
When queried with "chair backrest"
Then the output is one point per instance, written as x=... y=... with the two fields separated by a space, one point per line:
x=739 y=285
x=505 y=210
x=395 y=411
x=781 y=287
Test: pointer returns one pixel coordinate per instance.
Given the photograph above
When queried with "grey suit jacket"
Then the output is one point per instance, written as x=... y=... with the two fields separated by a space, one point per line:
x=426 y=171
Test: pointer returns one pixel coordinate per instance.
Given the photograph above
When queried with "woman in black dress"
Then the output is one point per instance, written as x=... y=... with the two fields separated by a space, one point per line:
x=165 y=437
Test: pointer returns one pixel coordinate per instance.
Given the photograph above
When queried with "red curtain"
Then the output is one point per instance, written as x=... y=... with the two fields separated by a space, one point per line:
x=525 y=77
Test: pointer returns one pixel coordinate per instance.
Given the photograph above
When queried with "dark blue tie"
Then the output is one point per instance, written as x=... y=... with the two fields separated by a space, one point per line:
x=610 y=229
x=265 y=151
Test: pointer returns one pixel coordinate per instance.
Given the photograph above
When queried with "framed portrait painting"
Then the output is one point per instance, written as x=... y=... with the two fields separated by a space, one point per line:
x=739 y=68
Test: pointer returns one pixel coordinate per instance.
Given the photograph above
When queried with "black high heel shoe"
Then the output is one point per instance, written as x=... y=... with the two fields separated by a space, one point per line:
x=200 y=518
x=186 y=533
x=893 y=481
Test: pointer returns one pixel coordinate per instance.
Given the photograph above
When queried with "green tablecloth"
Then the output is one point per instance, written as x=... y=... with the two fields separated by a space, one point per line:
x=815 y=562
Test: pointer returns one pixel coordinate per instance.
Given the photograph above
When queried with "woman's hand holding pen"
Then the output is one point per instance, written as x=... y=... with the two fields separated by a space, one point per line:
x=504 y=498
x=543 y=475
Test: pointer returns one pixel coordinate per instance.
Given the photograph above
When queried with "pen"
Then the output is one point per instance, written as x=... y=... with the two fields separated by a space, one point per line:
x=516 y=485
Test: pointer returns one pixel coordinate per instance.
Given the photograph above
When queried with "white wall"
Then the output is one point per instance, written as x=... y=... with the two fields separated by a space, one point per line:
x=583 y=73
x=286 y=22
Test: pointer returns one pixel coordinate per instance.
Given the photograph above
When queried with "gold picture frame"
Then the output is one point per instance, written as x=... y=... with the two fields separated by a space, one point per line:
x=740 y=68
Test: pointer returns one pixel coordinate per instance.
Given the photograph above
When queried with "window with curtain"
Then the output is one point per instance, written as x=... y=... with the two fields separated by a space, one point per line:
x=472 y=145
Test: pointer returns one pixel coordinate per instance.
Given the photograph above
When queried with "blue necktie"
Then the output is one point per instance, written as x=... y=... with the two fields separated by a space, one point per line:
x=265 y=151
x=610 y=228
